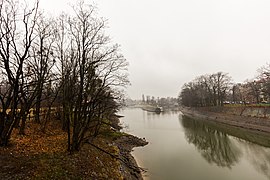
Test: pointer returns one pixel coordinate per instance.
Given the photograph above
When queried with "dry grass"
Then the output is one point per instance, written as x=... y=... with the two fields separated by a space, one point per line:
x=40 y=155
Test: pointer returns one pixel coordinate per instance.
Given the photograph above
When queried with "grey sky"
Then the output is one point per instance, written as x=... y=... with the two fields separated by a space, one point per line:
x=168 y=43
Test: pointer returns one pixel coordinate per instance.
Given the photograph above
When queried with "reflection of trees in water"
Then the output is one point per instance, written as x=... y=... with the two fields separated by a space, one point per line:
x=154 y=115
x=215 y=146
x=258 y=156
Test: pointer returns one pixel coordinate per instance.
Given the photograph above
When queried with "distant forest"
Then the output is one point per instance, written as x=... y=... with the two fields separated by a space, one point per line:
x=218 y=89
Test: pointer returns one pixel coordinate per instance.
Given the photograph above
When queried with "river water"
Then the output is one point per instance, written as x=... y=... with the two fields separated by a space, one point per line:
x=181 y=148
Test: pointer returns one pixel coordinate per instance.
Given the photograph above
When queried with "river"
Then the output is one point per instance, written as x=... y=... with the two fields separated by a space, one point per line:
x=188 y=149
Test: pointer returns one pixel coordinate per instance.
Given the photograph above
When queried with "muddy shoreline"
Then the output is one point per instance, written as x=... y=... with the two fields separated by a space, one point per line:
x=246 y=122
x=128 y=165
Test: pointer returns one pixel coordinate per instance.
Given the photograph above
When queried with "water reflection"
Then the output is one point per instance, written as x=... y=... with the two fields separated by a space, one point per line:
x=159 y=121
x=225 y=146
x=258 y=156
x=215 y=146
x=153 y=115
x=196 y=149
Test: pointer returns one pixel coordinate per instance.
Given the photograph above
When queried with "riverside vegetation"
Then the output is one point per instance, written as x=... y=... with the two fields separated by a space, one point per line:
x=215 y=97
x=39 y=155
x=218 y=89
x=61 y=84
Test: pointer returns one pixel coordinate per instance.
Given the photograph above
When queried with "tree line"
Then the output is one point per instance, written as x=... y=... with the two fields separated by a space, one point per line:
x=65 y=64
x=218 y=89
x=159 y=101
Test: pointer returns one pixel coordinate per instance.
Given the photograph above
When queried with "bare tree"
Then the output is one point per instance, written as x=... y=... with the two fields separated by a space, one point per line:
x=253 y=89
x=264 y=79
x=91 y=70
x=206 y=90
x=43 y=60
x=16 y=31
x=221 y=83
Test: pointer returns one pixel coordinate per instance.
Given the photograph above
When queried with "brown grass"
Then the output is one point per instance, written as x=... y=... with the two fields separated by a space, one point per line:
x=38 y=155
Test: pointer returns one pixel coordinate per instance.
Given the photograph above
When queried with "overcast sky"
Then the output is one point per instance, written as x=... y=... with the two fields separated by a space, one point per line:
x=170 y=42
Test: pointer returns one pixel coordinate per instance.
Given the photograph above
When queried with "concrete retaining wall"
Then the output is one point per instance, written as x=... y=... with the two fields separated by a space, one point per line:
x=260 y=112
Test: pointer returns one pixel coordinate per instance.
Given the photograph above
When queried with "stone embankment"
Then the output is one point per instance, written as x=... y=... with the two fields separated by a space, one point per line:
x=129 y=168
x=254 y=118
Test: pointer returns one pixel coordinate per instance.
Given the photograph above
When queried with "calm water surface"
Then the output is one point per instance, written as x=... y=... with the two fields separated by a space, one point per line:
x=187 y=149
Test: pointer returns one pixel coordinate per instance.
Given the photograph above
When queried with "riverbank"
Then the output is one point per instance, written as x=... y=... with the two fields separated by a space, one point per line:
x=237 y=117
x=129 y=167
x=38 y=155
x=125 y=143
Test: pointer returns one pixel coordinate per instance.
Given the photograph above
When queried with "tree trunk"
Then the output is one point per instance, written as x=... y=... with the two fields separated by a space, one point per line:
x=38 y=105
x=23 y=123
